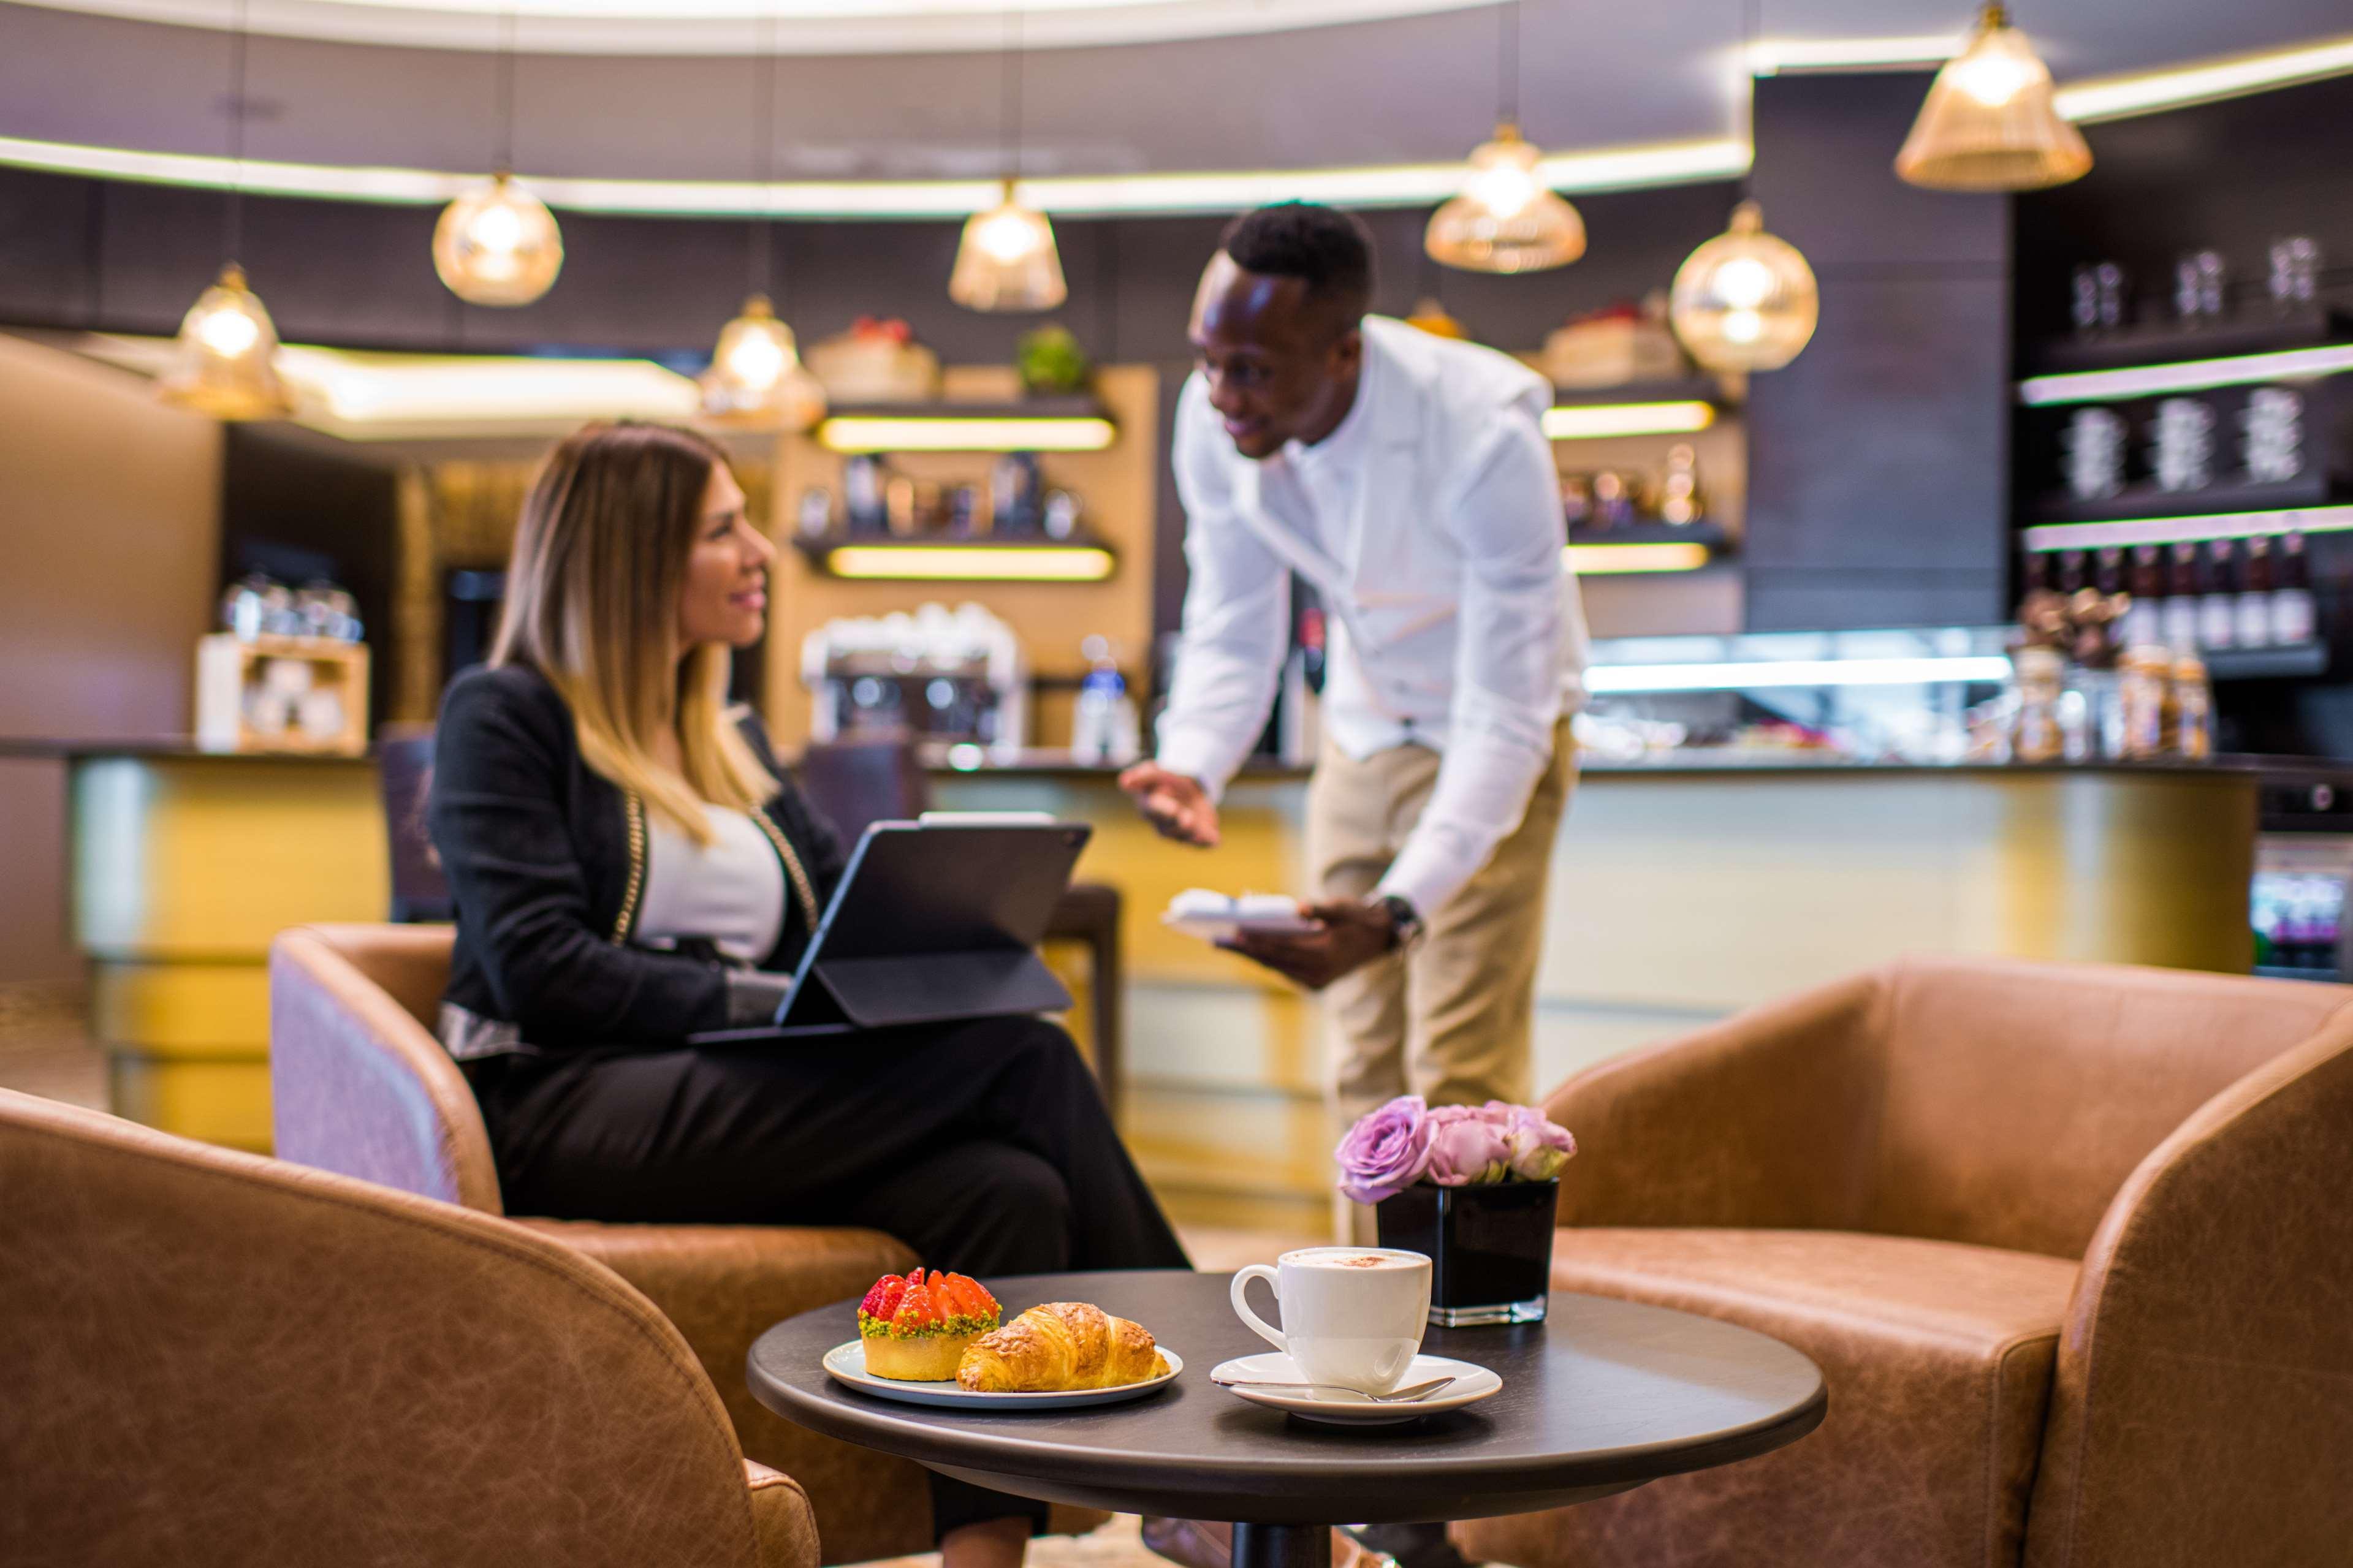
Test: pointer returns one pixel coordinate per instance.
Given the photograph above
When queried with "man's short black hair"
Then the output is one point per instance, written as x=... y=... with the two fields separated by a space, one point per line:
x=1331 y=251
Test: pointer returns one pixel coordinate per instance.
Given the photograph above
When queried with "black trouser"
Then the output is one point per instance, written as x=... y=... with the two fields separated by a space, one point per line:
x=986 y=1146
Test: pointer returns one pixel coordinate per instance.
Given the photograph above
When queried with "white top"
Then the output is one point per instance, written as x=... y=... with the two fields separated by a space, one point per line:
x=1430 y=521
x=731 y=890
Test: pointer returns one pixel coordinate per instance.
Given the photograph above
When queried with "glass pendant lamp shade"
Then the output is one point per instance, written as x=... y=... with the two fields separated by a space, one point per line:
x=1008 y=260
x=227 y=364
x=498 y=245
x=756 y=377
x=1506 y=220
x=1989 y=123
x=1746 y=300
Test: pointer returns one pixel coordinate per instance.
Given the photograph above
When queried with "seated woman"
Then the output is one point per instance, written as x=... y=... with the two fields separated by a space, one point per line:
x=630 y=866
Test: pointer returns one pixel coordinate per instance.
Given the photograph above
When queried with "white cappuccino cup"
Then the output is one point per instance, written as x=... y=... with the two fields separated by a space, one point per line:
x=1351 y=1315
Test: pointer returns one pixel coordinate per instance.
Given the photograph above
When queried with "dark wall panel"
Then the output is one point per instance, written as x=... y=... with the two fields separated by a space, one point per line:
x=1878 y=483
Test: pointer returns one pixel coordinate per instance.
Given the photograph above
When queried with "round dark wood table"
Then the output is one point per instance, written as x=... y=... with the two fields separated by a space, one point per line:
x=1598 y=1399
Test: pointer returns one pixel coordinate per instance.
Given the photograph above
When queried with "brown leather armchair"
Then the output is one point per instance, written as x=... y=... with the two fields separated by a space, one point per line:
x=213 y=1358
x=360 y=1086
x=2073 y=1246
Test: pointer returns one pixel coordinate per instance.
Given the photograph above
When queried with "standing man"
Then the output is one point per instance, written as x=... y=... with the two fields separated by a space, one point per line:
x=1408 y=477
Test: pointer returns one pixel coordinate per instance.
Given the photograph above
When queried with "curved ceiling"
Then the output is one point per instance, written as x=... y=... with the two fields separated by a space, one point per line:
x=731 y=26
x=1413 y=88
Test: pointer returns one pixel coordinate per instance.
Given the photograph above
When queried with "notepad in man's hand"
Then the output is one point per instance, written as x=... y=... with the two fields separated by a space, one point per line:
x=1219 y=917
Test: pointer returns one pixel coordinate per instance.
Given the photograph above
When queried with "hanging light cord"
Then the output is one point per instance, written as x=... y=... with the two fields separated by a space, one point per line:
x=1507 y=64
x=763 y=160
x=504 y=160
x=232 y=236
x=1010 y=130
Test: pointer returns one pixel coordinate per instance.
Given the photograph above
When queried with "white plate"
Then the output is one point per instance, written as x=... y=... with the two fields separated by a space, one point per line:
x=1473 y=1383
x=846 y=1364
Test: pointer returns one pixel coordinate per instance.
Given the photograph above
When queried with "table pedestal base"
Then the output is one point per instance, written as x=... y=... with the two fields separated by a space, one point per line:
x=1283 y=1546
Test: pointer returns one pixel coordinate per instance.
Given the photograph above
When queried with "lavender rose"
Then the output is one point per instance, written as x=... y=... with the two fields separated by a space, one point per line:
x=1537 y=1148
x=1467 y=1147
x=1386 y=1151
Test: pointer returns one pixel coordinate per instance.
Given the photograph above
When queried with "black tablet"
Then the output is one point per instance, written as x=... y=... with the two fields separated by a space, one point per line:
x=933 y=922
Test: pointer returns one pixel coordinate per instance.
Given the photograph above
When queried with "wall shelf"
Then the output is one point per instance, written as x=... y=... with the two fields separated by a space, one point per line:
x=1684 y=406
x=1079 y=559
x=2312 y=489
x=2169 y=342
x=2193 y=527
x=2266 y=663
x=1077 y=422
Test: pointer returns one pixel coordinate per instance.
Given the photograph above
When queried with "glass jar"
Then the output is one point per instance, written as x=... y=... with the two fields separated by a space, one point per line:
x=2041 y=673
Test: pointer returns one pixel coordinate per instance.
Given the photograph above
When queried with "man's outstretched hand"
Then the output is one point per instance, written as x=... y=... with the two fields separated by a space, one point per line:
x=1175 y=802
x=1349 y=934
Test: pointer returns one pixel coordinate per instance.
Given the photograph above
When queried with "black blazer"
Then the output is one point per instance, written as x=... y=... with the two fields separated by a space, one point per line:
x=546 y=860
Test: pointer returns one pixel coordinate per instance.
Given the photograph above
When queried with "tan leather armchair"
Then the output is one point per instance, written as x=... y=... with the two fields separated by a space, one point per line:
x=361 y=1085
x=2072 y=1244
x=211 y=1358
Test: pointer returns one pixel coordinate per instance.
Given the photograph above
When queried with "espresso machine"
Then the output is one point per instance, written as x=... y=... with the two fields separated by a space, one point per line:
x=939 y=678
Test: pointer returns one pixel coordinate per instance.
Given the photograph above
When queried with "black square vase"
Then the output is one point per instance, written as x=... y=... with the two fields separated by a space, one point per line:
x=1489 y=1247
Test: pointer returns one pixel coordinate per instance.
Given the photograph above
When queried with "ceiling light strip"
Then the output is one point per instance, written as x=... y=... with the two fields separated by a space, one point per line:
x=2186 y=375
x=1611 y=560
x=2116 y=96
x=971 y=562
x=2191 y=529
x=1589 y=421
x=918 y=433
x=1604 y=680
x=1771 y=57
x=1402 y=185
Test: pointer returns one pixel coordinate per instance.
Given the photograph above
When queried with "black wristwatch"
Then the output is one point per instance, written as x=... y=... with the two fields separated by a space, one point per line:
x=1406 y=926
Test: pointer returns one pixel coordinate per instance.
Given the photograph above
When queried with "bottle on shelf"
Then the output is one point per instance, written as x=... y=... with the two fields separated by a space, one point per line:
x=2070 y=572
x=2145 y=619
x=2218 y=602
x=2292 y=621
x=2179 y=614
x=2255 y=615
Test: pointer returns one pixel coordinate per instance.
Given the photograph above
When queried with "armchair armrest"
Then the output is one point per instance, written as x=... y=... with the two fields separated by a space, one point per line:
x=1763 y=1120
x=2200 y=1407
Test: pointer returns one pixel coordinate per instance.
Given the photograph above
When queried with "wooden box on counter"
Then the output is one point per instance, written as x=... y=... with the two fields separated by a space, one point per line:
x=323 y=674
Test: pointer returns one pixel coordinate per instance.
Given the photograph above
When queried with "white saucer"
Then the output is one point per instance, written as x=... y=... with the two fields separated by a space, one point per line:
x=1225 y=927
x=846 y=1364
x=1473 y=1383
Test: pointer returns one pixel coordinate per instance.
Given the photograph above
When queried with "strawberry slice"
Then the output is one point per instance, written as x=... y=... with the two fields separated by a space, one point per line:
x=988 y=1307
x=883 y=1300
x=916 y=1310
x=971 y=1300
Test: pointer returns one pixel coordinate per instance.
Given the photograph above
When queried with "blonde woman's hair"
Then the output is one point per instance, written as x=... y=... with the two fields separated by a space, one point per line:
x=592 y=604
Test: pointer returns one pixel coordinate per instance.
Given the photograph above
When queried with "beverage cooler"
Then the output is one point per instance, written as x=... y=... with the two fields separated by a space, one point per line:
x=2303 y=863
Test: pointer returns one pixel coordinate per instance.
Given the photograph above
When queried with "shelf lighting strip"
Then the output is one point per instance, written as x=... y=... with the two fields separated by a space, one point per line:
x=1606 y=560
x=936 y=433
x=1586 y=421
x=2186 y=375
x=1613 y=679
x=972 y=562
x=2181 y=529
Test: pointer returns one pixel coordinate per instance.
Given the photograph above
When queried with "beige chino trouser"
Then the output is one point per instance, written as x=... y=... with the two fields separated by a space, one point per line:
x=1454 y=1020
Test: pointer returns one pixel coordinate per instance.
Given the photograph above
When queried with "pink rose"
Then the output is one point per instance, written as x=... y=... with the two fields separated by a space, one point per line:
x=1386 y=1151
x=1536 y=1148
x=1467 y=1147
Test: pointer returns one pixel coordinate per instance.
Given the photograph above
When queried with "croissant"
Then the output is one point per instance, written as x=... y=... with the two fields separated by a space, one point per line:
x=1059 y=1346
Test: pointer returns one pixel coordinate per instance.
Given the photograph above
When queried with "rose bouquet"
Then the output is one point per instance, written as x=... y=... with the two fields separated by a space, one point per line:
x=1472 y=1187
x=1405 y=1141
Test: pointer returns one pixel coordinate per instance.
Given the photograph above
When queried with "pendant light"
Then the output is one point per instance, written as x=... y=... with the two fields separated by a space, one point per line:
x=1506 y=220
x=1006 y=259
x=756 y=378
x=1746 y=300
x=498 y=244
x=1989 y=123
x=225 y=360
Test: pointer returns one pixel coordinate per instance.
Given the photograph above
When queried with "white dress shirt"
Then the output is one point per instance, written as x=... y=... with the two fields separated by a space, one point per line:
x=1430 y=521
x=730 y=890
